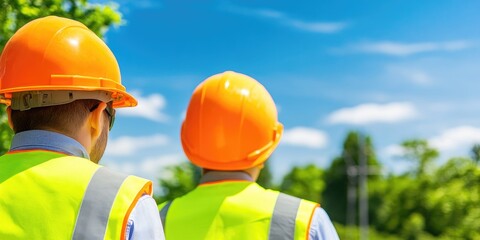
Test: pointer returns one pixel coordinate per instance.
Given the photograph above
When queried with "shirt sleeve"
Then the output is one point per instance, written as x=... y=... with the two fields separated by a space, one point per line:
x=321 y=227
x=144 y=221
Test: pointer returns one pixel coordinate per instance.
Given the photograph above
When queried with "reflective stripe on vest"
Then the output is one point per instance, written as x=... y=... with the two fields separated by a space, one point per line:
x=95 y=209
x=282 y=225
x=251 y=213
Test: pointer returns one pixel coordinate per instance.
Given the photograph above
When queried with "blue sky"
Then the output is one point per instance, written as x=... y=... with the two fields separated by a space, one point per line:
x=393 y=69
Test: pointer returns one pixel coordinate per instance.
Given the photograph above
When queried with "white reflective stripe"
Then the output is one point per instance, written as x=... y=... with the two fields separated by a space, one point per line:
x=97 y=202
x=163 y=214
x=282 y=225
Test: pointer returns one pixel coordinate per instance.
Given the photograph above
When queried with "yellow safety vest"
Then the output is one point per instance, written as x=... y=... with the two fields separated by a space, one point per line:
x=48 y=195
x=236 y=210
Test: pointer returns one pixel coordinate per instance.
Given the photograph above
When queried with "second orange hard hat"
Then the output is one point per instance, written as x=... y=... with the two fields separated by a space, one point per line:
x=54 y=53
x=231 y=123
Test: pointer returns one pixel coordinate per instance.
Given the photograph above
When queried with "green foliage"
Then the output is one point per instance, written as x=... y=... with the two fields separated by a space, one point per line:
x=454 y=200
x=265 y=177
x=304 y=182
x=425 y=203
x=177 y=180
x=475 y=152
x=400 y=200
x=351 y=233
x=16 y=13
x=414 y=226
x=418 y=151
x=6 y=132
x=441 y=205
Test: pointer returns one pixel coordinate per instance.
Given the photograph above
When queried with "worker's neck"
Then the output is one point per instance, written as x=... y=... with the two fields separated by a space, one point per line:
x=216 y=176
x=250 y=174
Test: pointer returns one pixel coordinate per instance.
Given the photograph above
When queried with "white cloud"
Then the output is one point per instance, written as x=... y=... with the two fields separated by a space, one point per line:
x=153 y=166
x=150 y=167
x=374 y=113
x=268 y=13
x=457 y=138
x=416 y=76
x=305 y=137
x=391 y=157
x=451 y=142
x=316 y=27
x=406 y=49
x=126 y=167
x=149 y=107
x=129 y=145
x=393 y=151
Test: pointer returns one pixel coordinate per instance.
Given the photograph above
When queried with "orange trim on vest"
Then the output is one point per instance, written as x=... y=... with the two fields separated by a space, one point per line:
x=222 y=181
x=310 y=221
x=147 y=188
x=35 y=150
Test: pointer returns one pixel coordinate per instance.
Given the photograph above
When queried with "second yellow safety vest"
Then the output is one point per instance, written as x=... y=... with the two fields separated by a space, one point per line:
x=234 y=210
x=48 y=195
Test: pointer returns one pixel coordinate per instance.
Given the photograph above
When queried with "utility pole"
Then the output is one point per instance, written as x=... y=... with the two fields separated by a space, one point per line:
x=358 y=181
x=351 y=192
x=363 y=185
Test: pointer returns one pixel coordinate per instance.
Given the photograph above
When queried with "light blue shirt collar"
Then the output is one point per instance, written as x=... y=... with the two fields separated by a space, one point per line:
x=47 y=140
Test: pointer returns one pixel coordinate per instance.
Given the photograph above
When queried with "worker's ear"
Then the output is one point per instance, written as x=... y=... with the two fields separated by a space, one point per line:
x=9 y=115
x=96 y=120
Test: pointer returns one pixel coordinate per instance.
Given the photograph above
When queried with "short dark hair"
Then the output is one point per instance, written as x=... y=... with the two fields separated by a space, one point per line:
x=65 y=118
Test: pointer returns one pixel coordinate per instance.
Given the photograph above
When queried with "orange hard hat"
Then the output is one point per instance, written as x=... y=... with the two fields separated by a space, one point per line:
x=54 y=53
x=230 y=124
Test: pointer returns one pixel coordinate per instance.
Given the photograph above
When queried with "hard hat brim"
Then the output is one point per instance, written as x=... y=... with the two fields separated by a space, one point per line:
x=120 y=97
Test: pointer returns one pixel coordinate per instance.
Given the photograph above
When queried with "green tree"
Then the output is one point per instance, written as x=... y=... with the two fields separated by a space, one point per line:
x=418 y=150
x=453 y=200
x=401 y=211
x=440 y=203
x=180 y=179
x=6 y=132
x=304 y=182
x=177 y=180
x=265 y=177
x=16 y=13
x=475 y=152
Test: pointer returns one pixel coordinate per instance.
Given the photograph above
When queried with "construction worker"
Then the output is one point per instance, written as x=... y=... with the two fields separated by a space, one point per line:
x=230 y=130
x=61 y=84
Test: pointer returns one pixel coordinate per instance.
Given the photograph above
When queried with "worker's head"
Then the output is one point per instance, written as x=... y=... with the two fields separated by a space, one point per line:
x=56 y=74
x=230 y=124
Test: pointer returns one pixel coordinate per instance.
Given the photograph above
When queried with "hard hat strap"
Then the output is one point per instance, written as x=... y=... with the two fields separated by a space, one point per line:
x=26 y=100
